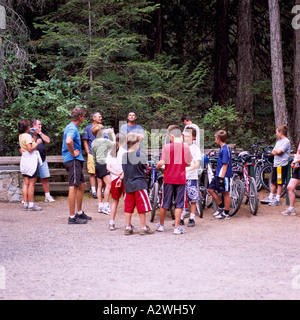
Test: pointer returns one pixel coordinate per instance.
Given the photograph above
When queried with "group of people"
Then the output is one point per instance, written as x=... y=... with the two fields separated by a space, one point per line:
x=118 y=164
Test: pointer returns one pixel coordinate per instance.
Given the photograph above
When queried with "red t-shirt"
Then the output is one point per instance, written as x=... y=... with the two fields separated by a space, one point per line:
x=176 y=155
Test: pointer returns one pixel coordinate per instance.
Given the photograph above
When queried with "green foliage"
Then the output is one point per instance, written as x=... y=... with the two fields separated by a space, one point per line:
x=51 y=101
x=227 y=118
x=155 y=59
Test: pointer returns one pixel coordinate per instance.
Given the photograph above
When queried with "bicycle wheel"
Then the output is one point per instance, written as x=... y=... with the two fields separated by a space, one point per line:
x=297 y=191
x=154 y=200
x=199 y=206
x=265 y=176
x=172 y=211
x=257 y=169
x=236 y=196
x=253 y=196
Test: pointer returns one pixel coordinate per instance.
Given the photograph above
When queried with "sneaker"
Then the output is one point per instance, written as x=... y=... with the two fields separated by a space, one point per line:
x=179 y=230
x=267 y=200
x=49 y=199
x=106 y=210
x=25 y=207
x=35 y=208
x=181 y=223
x=222 y=215
x=160 y=228
x=128 y=232
x=218 y=212
x=146 y=231
x=191 y=223
x=94 y=194
x=111 y=227
x=76 y=220
x=289 y=212
x=275 y=203
x=83 y=216
x=100 y=209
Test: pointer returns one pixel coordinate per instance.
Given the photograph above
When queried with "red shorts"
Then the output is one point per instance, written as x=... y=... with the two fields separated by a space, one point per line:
x=116 y=193
x=138 y=199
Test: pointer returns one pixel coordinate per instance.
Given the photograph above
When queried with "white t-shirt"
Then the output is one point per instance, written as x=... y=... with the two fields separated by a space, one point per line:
x=115 y=163
x=196 y=154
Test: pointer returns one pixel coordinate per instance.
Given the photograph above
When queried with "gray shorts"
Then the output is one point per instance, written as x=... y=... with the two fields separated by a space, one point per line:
x=173 y=193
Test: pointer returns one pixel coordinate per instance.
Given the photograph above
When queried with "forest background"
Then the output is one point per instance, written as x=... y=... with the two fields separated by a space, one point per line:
x=229 y=64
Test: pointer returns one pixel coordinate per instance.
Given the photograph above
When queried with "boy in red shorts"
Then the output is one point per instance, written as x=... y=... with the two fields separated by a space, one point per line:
x=175 y=156
x=136 y=194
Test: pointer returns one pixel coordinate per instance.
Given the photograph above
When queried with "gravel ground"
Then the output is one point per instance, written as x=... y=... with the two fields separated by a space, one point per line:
x=247 y=257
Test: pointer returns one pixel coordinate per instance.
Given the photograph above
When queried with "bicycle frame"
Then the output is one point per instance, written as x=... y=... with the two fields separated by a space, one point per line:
x=246 y=175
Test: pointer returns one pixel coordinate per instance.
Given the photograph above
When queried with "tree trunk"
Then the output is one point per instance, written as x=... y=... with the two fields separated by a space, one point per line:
x=296 y=107
x=2 y=82
x=245 y=76
x=279 y=103
x=220 y=89
x=90 y=46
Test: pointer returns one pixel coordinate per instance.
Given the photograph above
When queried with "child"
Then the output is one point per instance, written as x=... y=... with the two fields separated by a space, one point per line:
x=294 y=182
x=281 y=153
x=175 y=156
x=221 y=180
x=192 y=189
x=114 y=166
x=134 y=163
x=100 y=148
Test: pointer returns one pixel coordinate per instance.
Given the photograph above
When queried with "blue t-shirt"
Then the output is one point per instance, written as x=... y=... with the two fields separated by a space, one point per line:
x=224 y=157
x=71 y=130
x=125 y=129
x=88 y=135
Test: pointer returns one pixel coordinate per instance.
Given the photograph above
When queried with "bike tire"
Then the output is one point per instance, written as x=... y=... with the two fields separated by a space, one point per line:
x=172 y=211
x=253 y=196
x=257 y=169
x=236 y=196
x=265 y=176
x=154 y=200
x=199 y=206
x=297 y=191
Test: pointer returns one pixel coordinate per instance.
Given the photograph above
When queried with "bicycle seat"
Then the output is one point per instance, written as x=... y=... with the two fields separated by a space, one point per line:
x=244 y=155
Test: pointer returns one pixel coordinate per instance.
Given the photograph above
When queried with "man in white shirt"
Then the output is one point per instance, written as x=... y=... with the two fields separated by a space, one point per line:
x=186 y=120
x=192 y=190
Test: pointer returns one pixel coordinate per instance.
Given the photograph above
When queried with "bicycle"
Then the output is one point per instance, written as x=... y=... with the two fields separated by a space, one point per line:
x=244 y=161
x=263 y=158
x=155 y=189
x=236 y=193
x=204 y=178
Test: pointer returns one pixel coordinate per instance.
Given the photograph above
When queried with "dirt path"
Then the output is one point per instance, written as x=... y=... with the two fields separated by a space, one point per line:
x=247 y=257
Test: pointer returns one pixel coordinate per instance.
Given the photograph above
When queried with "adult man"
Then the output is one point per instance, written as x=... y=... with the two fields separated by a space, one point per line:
x=131 y=126
x=188 y=123
x=44 y=172
x=88 y=138
x=73 y=162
